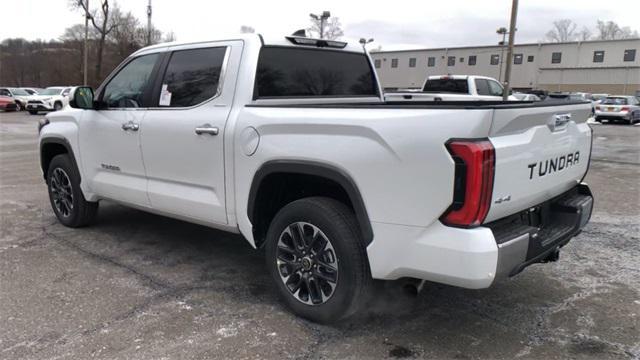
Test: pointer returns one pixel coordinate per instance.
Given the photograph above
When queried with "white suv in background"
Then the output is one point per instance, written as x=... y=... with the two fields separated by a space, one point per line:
x=20 y=96
x=50 y=99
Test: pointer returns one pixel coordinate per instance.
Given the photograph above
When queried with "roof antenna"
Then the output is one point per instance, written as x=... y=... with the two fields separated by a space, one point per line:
x=300 y=33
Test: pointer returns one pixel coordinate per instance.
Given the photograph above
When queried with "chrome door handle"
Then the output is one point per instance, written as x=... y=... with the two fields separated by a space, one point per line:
x=207 y=129
x=130 y=126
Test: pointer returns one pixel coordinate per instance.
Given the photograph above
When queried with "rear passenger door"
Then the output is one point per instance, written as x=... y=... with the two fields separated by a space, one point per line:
x=182 y=135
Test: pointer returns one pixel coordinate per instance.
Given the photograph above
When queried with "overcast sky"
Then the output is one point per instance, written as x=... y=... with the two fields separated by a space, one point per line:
x=393 y=24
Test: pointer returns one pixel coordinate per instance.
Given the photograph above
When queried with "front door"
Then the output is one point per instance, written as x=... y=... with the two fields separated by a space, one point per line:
x=110 y=137
x=183 y=132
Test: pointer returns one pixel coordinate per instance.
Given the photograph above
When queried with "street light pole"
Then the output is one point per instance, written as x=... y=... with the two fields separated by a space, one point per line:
x=512 y=36
x=322 y=18
x=86 y=42
x=149 y=23
x=503 y=32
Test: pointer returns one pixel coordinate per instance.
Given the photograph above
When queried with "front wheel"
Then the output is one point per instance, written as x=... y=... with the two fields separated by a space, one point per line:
x=65 y=195
x=317 y=259
x=57 y=106
x=18 y=106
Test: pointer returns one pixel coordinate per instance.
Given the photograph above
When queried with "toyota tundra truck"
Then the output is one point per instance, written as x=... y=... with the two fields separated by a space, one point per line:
x=453 y=88
x=289 y=142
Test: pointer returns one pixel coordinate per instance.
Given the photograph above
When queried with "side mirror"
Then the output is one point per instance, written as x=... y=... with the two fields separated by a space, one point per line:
x=82 y=98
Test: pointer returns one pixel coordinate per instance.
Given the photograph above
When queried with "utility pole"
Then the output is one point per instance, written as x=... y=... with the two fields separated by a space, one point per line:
x=86 y=43
x=149 y=23
x=512 y=36
x=322 y=18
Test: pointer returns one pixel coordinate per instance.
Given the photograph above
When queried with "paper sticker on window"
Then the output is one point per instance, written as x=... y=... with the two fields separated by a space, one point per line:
x=165 y=96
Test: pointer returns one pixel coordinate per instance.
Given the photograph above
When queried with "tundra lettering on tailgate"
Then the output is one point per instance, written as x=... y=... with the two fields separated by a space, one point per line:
x=552 y=165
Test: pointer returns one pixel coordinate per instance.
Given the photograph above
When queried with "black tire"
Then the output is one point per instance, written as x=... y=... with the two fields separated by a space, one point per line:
x=353 y=282
x=74 y=211
x=57 y=106
x=33 y=112
x=18 y=106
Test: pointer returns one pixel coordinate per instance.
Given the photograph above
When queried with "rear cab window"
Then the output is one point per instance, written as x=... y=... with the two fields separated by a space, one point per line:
x=290 y=72
x=615 y=101
x=447 y=85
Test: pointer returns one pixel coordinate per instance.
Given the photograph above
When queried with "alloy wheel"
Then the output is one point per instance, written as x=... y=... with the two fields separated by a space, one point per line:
x=307 y=263
x=61 y=192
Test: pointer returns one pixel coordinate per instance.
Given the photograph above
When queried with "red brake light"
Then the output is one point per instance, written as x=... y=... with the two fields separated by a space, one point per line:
x=475 y=166
x=598 y=107
x=625 y=108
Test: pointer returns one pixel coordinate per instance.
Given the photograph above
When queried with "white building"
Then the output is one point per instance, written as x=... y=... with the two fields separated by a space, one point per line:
x=600 y=66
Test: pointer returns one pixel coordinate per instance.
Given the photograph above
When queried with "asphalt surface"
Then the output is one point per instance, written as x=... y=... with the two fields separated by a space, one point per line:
x=140 y=286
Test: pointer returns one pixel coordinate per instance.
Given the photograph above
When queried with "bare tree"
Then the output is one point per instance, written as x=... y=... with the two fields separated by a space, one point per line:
x=247 y=29
x=101 y=21
x=585 y=34
x=563 y=30
x=332 y=28
x=609 y=30
x=169 y=37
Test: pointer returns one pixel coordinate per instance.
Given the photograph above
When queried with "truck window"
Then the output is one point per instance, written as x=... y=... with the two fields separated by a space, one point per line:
x=295 y=72
x=126 y=89
x=495 y=89
x=482 y=87
x=192 y=76
x=447 y=85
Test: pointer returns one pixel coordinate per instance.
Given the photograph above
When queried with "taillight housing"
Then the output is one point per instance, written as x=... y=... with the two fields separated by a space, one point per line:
x=473 y=183
x=625 y=108
x=597 y=107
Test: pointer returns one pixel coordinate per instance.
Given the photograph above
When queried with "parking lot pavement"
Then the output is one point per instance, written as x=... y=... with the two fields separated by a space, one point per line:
x=140 y=286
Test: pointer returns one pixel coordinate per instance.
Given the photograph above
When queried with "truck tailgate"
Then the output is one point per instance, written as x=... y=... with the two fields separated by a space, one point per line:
x=540 y=152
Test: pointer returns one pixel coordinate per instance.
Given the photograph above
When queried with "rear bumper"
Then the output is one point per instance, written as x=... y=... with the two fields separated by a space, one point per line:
x=39 y=107
x=8 y=107
x=537 y=234
x=476 y=258
x=613 y=115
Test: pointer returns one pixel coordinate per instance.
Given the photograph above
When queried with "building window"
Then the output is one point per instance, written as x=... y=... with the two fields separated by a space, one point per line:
x=394 y=63
x=461 y=59
x=556 y=57
x=630 y=55
x=530 y=58
x=378 y=63
x=451 y=61
x=431 y=61
x=495 y=59
x=598 y=56
x=472 y=60
x=412 y=62
x=517 y=59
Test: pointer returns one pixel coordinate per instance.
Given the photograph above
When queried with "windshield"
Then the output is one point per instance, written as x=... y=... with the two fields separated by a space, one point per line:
x=458 y=86
x=615 y=101
x=19 y=92
x=50 y=91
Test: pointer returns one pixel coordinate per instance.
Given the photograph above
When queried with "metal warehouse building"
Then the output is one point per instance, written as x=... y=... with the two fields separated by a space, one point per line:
x=601 y=66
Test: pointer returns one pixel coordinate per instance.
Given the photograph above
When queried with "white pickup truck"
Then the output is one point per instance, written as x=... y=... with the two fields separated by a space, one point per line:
x=289 y=143
x=453 y=88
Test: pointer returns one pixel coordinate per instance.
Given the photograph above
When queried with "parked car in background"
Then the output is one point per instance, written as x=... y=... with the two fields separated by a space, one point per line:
x=453 y=88
x=568 y=96
x=542 y=94
x=32 y=91
x=526 y=97
x=50 y=99
x=7 y=103
x=597 y=98
x=619 y=108
x=20 y=96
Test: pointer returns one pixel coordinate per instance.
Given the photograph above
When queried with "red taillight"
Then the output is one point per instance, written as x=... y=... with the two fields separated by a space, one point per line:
x=475 y=165
x=598 y=107
x=625 y=108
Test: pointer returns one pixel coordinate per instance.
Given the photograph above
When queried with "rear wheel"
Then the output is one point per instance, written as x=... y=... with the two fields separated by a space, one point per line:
x=57 y=106
x=18 y=106
x=65 y=195
x=317 y=259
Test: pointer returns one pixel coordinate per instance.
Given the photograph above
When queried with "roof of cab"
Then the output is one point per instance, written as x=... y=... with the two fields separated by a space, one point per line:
x=250 y=39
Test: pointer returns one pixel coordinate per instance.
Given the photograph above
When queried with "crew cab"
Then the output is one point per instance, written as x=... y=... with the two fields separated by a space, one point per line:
x=288 y=142
x=453 y=88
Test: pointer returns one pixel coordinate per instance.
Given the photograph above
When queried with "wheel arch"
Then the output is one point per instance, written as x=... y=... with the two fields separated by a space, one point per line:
x=51 y=147
x=343 y=186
